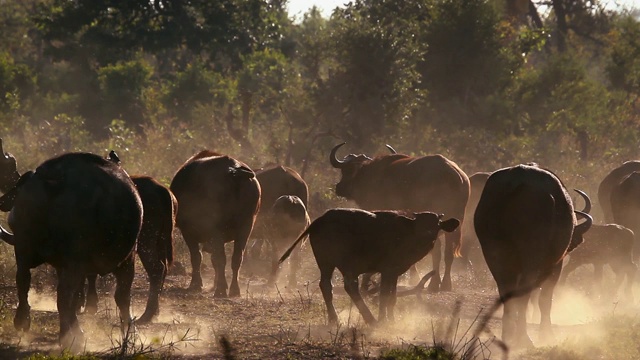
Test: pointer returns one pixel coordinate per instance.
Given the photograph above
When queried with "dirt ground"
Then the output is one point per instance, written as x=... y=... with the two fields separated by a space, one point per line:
x=282 y=322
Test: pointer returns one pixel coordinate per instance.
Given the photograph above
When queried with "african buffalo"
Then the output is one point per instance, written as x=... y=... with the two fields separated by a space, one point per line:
x=286 y=219
x=526 y=225
x=81 y=214
x=611 y=245
x=609 y=182
x=8 y=170
x=357 y=241
x=155 y=243
x=218 y=199
x=402 y=182
x=625 y=205
x=274 y=182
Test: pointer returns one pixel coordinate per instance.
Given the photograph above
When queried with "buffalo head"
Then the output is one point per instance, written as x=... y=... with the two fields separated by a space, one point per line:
x=349 y=166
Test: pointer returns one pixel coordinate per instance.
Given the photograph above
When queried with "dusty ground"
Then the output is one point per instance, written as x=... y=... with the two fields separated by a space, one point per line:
x=267 y=323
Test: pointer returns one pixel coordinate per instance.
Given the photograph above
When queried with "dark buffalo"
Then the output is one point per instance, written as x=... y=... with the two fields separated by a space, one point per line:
x=278 y=181
x=286 y=219
x=402 y=182
x=625 y=205
x=611 y=245
x=218 y=199
x=81 y=214
x=9 y=174
x=610 y=181
x=526 y=225
x=155 y=243
x=358 y=241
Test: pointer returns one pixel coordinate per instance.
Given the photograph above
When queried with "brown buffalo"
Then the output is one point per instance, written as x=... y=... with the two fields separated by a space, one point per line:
x=526 y=225
x=286 y=219
x=218 y=199
x=402 y=182
x=611 y=245
x=625 y=205
x=609 y=182
x=357 y=241
x=81 y=214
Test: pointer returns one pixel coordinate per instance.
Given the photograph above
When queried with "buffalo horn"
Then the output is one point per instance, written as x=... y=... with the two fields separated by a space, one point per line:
x=587 y=201
x=588 y=220
x=2 y=150
x=333 y=159
x=7 y=236
x=393 y=151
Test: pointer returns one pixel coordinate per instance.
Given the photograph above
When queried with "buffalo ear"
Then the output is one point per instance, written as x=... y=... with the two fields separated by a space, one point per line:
x=449 y=225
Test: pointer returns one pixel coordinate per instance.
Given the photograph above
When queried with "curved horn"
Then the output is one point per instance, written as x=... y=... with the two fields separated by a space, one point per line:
x=587 y=201
x=2 y=153
x=333 y=159
x=582 y=228
x=393 y=151
x=7 y=236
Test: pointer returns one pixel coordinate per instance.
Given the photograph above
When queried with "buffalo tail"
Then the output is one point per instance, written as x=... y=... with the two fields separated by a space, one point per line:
x=290 y=250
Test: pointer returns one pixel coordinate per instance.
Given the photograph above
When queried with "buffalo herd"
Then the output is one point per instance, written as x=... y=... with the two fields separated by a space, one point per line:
x=84 y=215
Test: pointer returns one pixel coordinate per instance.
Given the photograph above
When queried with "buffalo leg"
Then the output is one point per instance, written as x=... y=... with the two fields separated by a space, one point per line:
x=451 y=239
x=156 y=269
x=522 y=338
x=124 y=274
x=193 y=244
x=219 y=262
x=351 y=287
x=436 y=255
x=91 y=306
x=22 y=319
x=239 y=245
x=69 y=280
x=546 y=299
x=388 y=285
x=326 y=288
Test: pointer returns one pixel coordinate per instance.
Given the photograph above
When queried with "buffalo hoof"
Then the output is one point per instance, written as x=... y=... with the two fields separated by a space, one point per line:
x=195 y=286
x=446 y=285
x=234 y=292
x=434 y=286
x=22 y=320
x=146 y=318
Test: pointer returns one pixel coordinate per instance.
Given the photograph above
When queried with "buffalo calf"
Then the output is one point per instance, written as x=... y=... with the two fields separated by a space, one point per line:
x=358 y=241
x=610 y=244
